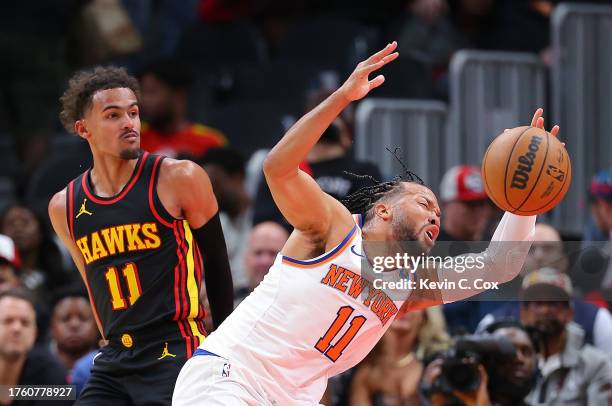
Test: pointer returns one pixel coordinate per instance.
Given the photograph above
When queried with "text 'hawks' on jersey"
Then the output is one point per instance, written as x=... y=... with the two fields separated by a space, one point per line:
x=143 y=266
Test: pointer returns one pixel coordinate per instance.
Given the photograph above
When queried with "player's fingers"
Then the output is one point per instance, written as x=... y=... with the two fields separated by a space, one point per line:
x=382 y=53
x=377 y=81
x=554 y=131
x=538 y=113
x=540 y=123
x=377 y=65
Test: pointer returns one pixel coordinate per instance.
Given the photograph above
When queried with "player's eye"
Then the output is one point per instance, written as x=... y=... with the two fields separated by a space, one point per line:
x=424 y=205
x=133 y=113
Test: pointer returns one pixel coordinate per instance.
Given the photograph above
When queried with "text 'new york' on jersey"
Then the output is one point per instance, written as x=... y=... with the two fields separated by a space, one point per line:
x=143 y=267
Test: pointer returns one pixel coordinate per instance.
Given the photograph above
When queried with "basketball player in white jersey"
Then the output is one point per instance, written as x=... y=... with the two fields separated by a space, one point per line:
x=315 y=314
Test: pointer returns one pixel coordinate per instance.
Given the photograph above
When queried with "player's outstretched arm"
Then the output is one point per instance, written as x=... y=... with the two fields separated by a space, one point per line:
x=197 y=203
x=59 y=221
x=296 y=194
x=503 y=259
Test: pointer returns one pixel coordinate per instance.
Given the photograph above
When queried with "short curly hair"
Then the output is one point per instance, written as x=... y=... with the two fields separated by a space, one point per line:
x=84 y=84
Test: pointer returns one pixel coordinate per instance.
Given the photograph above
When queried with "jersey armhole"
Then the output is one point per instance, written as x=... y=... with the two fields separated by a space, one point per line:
x=155 y=204
x=70 y=209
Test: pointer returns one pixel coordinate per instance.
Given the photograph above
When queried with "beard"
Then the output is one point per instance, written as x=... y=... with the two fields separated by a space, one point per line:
x=130 y=153
x=406 y=236
x=549 y=327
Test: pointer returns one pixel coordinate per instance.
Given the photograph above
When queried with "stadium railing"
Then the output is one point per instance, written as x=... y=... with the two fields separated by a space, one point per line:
x=489 y=92
x=417 y=127
x=582 y=100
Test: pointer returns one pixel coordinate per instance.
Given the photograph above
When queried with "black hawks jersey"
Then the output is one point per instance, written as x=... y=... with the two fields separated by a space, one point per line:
x=143 y=267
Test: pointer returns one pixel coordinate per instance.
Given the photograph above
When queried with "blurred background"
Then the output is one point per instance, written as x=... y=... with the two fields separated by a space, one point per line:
x=222 y=80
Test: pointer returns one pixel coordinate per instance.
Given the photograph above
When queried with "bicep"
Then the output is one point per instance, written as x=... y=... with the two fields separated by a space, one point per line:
x=194 y=191
x=302 y=202
x=57 y=215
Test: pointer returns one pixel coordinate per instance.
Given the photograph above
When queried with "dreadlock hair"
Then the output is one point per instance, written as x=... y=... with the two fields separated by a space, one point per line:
x=362 y=200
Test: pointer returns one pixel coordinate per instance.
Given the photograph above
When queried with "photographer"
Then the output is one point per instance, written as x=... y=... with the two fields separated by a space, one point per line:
x=498 y=368
x=573 y=373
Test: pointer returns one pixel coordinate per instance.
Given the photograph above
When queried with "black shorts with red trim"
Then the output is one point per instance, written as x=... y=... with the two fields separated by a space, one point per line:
x=136 y=369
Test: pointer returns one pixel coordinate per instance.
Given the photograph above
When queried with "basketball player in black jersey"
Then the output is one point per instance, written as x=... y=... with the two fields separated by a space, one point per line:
x=142 y=230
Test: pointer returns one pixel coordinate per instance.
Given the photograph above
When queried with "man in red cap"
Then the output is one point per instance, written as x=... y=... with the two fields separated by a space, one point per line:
x=465 y=204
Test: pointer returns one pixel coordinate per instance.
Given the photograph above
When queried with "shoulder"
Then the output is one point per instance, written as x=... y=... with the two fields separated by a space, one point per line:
x=57 y=204
x=596 y=361
x=181 y=170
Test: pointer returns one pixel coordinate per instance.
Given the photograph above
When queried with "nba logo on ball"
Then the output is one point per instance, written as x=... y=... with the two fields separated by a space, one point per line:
x=526 y=171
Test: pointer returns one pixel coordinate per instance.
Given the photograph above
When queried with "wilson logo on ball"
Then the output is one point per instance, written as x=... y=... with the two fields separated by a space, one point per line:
x=525 y=164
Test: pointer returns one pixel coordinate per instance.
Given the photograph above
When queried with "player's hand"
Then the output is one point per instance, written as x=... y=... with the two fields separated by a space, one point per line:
x=538 y=121
x=358 y=85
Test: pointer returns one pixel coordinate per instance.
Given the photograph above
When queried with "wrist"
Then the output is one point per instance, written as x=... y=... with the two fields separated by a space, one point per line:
x=341 y=96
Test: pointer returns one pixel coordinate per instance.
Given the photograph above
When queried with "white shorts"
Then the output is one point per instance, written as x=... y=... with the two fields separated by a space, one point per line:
x=213 y=380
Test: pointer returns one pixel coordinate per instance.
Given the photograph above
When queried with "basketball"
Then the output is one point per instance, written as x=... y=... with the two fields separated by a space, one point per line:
x=526 y=171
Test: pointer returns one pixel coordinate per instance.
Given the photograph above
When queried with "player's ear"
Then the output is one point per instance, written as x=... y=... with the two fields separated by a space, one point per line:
x=383 y=211
x=80 y=127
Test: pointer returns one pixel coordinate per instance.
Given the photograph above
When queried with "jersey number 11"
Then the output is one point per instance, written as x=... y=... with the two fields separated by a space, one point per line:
x=324 y=345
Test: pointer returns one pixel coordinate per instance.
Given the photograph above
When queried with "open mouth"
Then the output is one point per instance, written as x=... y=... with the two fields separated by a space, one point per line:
x=432 y=232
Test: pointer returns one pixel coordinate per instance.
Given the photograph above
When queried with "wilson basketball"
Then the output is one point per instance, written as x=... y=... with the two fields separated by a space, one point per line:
x=526 y=171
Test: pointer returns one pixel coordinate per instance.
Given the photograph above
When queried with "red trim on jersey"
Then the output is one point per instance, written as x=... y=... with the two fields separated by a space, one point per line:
x=151 y=204
x=125 y=190
x=71 y=208
x=177 y=291
x=184 y=292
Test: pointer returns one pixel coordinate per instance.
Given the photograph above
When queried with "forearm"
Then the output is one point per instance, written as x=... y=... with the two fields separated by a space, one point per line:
x=293 y=148
x=501 y=262
x=217 y=273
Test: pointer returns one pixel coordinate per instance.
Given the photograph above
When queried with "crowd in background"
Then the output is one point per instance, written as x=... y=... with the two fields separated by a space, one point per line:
x=208 y=71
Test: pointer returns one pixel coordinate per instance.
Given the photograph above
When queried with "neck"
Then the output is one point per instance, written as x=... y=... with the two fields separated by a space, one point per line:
x=68 y=359
x=324 y=152
x=110 y=174
x=554 y=344
x=404 y=344
x=10 y=370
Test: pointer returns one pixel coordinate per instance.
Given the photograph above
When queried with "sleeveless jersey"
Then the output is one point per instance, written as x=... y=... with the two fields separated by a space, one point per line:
x=143 y=267
x=307 y=320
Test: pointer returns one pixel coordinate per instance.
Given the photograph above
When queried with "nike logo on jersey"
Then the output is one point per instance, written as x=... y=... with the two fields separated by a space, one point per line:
x=83 y=210
x=355 y=252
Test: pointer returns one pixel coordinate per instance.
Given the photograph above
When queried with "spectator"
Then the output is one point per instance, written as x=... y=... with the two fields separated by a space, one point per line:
x=330 y=165
x=465 y=204
x=510 y=383
x=73 y=328
x=82 y=370
x=9 y=264
x=41 y=270
x=547 y=252
x=572 y=372
x=601 y=211
x=166 y=130
x=392 y=372
x=20 y=364
x=226 y=169
x=466 y=212
x=265 y=242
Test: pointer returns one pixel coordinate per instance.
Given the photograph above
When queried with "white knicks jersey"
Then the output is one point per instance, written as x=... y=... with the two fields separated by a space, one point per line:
x=307 y=321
